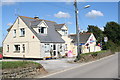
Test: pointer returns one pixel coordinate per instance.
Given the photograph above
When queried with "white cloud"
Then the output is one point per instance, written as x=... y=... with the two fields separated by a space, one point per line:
x=69 y=23
x=10 y=24
x=61 y=14
x=94 y=14
x=8 y=2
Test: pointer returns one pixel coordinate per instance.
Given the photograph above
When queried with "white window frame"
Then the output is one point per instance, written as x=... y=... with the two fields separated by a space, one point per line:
x=8 y=48
x=66 y=47
x=15 y=49
x=14 y=33
x=47 y=48
x=22 y=32
x=23 y=47
x=40 y=31
x=65 y=32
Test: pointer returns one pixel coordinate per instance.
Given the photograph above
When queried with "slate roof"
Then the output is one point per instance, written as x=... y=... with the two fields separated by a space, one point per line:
x=52 y=35
x=59 y=26
x=83 y=37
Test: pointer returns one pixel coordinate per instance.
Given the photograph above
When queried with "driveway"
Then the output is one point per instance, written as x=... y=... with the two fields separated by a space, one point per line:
x=57 y=64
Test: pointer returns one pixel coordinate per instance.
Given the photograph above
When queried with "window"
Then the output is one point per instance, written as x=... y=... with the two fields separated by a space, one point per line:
x=14 y=33
x=42 y=30
x=65 y=46
x=47 y=47
x=54 y=47
x=22 y=32
x=61 y=48
x=64 y=32
x=23 y=48
x=7 y=48
x=17 y=48
x=39 y=30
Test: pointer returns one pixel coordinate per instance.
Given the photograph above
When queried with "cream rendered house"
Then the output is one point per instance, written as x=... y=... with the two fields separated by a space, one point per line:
x=35 y=38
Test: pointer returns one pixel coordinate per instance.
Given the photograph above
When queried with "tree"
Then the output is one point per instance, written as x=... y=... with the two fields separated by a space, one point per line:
x=112 y=31
x=1 y=49
x=96 y=31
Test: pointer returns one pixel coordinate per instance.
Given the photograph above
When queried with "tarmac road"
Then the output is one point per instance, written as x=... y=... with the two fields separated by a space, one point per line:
x=103 y=68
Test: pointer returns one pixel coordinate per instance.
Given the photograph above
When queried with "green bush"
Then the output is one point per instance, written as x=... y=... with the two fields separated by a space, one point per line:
x=115 y=49
x=111 y=46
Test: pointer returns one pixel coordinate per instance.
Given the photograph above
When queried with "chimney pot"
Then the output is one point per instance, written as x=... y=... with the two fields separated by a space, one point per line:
x=36 y=17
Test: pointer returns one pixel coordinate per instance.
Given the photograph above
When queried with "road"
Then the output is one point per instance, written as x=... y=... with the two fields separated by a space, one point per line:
x=103 y=68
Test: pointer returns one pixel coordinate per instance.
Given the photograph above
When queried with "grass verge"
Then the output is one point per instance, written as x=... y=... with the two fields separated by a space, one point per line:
x=103 y=51
x=18 y=64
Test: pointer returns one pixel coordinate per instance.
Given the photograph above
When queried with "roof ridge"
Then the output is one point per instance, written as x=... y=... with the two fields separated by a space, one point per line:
x=81 y=33
x=36 y=19
x=26 y=17
x=60 y=24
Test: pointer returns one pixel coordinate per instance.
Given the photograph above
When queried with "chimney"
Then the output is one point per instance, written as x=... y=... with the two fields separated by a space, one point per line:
x=36 y=17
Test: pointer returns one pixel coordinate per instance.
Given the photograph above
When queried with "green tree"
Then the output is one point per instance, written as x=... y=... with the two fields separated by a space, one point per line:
x=112 y=31
x=96 y=31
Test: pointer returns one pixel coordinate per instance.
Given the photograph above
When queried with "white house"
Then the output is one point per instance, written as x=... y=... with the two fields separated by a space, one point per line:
x=34 y=38
x=87 y=43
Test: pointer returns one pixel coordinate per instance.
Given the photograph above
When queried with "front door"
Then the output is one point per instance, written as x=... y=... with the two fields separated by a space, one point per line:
x=54 y=50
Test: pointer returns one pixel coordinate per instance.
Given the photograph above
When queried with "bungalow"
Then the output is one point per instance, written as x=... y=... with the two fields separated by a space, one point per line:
x=87 y=43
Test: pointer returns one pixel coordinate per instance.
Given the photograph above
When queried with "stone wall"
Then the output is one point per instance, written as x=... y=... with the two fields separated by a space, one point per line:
x=28 y=72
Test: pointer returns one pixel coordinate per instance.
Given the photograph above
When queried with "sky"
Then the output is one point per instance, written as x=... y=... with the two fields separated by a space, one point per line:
x=98 y=14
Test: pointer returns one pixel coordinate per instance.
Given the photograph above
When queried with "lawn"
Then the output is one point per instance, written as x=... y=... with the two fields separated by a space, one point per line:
x=17 y=64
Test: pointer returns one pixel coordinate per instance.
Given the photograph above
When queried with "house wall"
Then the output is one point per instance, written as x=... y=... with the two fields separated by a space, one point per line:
x=63 y=28
x=50 y=45
x=68 y=45
x=86 y=49
x=74 y=49
x=32 y=45
x=91 y=46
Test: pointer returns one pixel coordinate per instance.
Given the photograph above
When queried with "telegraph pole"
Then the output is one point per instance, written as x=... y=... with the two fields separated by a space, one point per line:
x=77 y=32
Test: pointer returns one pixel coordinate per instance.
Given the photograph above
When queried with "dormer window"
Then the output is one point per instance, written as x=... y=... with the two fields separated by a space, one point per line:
x=42 y=30
x=64 y=32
